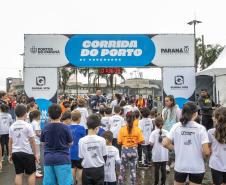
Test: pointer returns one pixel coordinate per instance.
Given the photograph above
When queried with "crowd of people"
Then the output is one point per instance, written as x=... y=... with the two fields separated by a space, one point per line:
x=93 y=141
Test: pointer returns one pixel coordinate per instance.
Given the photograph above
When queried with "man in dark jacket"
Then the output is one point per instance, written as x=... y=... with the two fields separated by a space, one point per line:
x=206 y=105
x=96 y=101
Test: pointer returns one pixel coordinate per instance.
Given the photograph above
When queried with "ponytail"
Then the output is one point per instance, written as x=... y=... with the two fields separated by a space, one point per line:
x=130 y=117
x=34 y=115
x=220 y=133
x=159 y=124
x=187 y=112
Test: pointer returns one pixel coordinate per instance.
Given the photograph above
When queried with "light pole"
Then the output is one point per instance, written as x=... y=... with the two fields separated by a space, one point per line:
x=194 y=23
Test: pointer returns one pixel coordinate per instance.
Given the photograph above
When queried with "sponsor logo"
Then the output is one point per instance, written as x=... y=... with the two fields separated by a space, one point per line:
x=40 y=84
x=40 y=80
x=188 y=142
x=44 y=51
x=187 y=133
x=179 y=80
x=184 y=50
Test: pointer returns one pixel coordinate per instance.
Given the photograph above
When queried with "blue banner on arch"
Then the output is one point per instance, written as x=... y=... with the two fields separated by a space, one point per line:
x=110 y=50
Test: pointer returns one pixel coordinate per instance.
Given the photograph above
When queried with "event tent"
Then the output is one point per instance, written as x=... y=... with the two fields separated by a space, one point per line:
x=218 y=71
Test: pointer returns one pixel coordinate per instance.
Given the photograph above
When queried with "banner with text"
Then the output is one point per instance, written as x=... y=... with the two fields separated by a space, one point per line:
x=109 y=50
x=179 y=82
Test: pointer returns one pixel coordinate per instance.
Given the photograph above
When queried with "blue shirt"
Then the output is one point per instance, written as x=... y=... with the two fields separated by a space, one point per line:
x=56 y=137
x=100 y=132
x=78 y=132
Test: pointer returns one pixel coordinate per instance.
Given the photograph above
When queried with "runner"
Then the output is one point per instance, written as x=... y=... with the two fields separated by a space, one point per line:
x=160 y=155
x=93 y=152
x=190 y=141
x=22 y=147
x=217 y=137
x=129 y=137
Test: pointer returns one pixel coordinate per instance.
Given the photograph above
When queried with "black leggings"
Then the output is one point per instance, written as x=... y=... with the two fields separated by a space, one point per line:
x=160 y=166
x=4 y=143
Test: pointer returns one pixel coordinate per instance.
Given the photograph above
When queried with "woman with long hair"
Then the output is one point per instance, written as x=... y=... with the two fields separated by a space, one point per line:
x=190 y=141
x=171 y=114
x=129 y=137
x=217 y=137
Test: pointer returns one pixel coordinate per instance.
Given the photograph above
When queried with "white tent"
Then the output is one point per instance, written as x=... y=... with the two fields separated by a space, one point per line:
x=218 y=71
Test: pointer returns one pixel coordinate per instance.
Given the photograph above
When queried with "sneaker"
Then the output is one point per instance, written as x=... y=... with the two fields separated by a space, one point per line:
x=172 y=165
x=167 y=169
x=38 y=175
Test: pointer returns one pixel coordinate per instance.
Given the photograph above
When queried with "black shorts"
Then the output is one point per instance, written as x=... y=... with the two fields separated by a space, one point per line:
x=218 y=177
x=24 y=163
x=93 y=176
x=196 y=178
x=76 y=164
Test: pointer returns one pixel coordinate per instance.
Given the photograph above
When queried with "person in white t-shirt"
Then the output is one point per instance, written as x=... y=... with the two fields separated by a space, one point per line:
x=84 y=112
x=217 y=137
x=34 y=117
x=105 y=120
x=21 y=143
x=5 y=122
x=191 y=143
x=93 y=153
x=160 y=155
x=131 y=107
x=113 y=159
x=146 y=125
x=116 y=122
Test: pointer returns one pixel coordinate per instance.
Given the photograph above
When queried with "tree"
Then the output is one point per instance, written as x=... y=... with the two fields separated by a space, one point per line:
x=65 y=74
x=206 y=54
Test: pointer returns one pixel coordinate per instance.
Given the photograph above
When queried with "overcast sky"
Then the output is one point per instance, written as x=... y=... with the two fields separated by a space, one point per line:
x=102 y=16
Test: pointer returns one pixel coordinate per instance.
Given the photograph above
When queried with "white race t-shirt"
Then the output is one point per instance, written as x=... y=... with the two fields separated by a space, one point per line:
x=92 y=148
x=105 y=122
x=159 y=153
x=5 y=122
x=36 y=127
x=188 y=141
x=20 y=132
x=129 y=108
x=146 y=127
x=84 y=115
x=116 y=122
x=218 y=157
x=109 y=168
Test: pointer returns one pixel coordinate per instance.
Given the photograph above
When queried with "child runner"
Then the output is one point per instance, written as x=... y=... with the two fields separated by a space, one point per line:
x=146 y=125
x=113 y=159
x=57 y=139
x=21 y=139
x=116 y=122
x=191 y=144
x=160 y=155
x=105 y=121
x=129 y=137
x=83 y=110
x=34 y=117
x=66 y=118
x=78 y=132
x=5 y=122
x=93 y=152
x=217 y=137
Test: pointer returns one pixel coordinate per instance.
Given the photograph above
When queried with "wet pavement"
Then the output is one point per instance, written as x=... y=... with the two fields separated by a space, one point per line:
x=144 y=176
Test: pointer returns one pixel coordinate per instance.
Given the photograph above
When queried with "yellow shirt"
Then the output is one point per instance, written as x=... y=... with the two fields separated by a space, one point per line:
x=130 y=140
x=136 y=122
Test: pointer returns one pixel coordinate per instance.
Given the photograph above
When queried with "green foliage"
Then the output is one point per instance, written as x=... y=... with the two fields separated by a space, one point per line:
x=206 y=54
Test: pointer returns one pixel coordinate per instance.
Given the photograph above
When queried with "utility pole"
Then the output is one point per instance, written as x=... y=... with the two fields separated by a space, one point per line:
x=194 y=23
